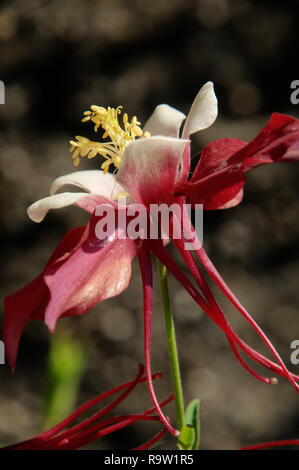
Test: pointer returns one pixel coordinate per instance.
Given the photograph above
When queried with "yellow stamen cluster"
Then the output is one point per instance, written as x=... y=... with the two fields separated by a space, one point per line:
x=120 y=138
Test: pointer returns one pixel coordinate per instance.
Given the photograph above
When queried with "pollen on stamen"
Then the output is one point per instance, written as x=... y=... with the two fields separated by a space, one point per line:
x=119 y=137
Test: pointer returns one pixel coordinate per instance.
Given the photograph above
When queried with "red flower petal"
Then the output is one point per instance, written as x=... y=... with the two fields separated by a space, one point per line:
x=82 y=271
x=214 y=157
x=30 y=302
x=217 y=191
x=219 y=177
x=96 y=270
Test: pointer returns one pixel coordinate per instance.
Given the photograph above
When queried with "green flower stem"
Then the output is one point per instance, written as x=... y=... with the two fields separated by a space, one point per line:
x=172 y=347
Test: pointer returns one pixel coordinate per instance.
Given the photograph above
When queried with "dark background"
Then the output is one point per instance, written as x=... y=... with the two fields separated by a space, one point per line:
x=56 y=59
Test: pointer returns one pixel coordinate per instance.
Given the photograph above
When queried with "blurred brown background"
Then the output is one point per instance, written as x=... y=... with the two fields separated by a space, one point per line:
x=56 y=59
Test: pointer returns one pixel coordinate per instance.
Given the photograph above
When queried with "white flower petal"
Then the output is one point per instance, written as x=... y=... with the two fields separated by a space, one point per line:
x=92 y=181
x=165 y=120
x=149 y=168
x=203 y=111
x=38 y=210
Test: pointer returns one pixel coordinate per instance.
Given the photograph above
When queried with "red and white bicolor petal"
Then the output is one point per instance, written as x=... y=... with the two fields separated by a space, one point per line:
x=149 y=169
x=94 y=182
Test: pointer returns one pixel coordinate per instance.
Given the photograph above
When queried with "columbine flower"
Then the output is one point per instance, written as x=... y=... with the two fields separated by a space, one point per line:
x=152 y=167
x=82 y=270
x=68 y=436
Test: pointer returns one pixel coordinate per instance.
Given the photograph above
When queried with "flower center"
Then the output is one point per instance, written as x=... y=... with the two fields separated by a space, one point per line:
x=120 y=138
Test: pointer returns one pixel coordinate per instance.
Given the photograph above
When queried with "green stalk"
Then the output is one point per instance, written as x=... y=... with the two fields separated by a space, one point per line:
x=172 y=346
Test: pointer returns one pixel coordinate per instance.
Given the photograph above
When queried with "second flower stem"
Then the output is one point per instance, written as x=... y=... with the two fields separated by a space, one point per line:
x=172 y=346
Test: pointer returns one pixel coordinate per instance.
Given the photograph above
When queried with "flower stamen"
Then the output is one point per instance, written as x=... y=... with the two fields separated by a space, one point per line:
x=120 y=137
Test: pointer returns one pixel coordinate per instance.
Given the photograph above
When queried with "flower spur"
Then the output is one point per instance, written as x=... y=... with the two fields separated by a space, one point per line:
x=69 y=436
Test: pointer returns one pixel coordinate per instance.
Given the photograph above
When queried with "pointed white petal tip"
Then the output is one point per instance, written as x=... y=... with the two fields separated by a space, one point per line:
x=203 y=112
x=39 y=209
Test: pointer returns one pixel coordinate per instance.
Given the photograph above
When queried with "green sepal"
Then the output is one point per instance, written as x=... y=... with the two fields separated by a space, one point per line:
x=187 y=437
x=190 y=432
